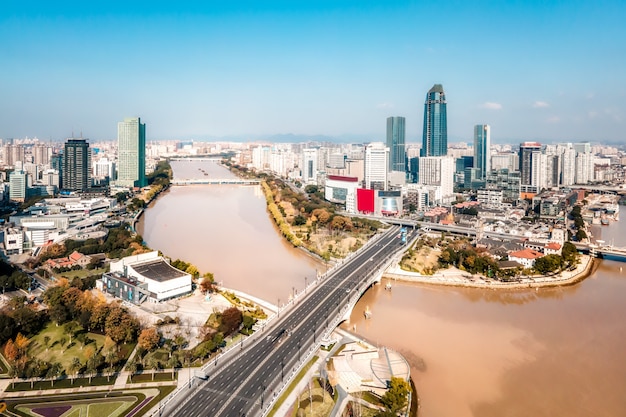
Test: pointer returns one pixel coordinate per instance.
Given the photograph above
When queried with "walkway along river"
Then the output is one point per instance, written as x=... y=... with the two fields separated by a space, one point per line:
x=474 y=352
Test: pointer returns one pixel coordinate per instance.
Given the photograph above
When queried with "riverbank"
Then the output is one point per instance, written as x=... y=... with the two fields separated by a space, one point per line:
x=457 y=278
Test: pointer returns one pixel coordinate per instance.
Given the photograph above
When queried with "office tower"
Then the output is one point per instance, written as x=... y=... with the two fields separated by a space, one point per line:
x=395 y=142
x=438 y=171
x=18 y=184
x=310 y=160
x=13 y=154
x=482 y=149
x=582 y=147
x=76 y=165
x=41 y=154
x=376 y=164
x=131 y=142
x=525 y=160
x=508 y=181
x=435 y=138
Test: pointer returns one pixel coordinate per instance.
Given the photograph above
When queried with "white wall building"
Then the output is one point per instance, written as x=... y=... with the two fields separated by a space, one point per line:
x=163 y=280
x=310 y=165
x=438 y=171
x=376 y=166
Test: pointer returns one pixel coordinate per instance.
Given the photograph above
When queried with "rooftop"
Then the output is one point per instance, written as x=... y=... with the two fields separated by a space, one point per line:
x=158 y=270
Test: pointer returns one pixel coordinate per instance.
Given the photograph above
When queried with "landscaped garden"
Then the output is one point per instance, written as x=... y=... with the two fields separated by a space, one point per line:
x=133 y=403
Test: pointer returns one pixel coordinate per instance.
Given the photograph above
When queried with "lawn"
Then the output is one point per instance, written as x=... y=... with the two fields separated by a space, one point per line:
x=55 y=351
x=81 y=273
x=322 y=402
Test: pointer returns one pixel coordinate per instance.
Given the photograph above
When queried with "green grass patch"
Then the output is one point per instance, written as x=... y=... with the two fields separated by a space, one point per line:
x=107 y=409
x=370 y=397
x=55 y=352
x=81 y=273
x=61 y=383
x=158 y=377
x=292 y=386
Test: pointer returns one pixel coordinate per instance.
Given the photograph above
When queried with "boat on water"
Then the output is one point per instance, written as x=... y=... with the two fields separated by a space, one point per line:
x=367 y=313
x=604 y=221
x=388 y=286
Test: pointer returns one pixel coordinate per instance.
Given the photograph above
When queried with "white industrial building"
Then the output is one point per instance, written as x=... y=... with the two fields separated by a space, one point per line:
x=145 y=277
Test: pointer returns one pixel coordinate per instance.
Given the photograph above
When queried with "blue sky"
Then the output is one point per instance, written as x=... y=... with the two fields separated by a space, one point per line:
x=544 y=70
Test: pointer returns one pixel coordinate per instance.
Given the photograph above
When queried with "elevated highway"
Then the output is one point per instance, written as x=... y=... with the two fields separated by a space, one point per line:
x=250 y=378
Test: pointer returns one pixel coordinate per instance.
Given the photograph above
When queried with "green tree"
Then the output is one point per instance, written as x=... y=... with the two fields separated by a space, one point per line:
x=74 y=367
x=396 y=397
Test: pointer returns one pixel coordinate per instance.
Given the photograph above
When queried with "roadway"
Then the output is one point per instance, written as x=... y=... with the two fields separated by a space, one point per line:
x=249 y=382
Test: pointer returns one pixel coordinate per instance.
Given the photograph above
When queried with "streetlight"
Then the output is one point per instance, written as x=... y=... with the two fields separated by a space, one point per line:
x=305 y=285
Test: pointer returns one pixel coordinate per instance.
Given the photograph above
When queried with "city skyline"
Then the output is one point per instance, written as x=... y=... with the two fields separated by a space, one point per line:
x=549 y=72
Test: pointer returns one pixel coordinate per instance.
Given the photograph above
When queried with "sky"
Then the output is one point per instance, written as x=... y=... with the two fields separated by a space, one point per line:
x=534 y=70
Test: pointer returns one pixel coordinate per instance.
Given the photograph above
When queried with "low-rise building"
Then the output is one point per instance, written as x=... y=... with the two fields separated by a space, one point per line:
x=526 y=257
x=144 y=277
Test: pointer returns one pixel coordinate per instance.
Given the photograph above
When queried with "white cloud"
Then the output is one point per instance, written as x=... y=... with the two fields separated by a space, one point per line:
x=539 y=104
x=385 y=106
x=491 y=106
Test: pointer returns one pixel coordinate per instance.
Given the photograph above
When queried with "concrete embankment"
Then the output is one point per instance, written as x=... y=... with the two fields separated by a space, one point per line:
x=457 y=278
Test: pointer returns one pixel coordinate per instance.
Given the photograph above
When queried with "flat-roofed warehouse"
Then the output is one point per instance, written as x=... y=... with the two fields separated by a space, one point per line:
x=145 y=277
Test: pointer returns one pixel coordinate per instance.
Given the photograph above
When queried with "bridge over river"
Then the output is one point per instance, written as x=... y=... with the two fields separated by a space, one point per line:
x=213 y=181
x=249 y=377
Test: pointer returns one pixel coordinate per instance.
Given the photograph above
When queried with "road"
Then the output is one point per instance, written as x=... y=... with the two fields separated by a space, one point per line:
x=246 y=386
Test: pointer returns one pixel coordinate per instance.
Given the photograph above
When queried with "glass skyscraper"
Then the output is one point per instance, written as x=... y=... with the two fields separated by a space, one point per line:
x=131 y=142
x=435 y=139
x=482 y=152
x=395 y=142
x=77 y=165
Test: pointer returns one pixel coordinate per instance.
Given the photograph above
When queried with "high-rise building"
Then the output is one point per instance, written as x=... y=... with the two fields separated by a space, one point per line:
x=310 y=163
x=131 y=142
x=395 y=142
x=76 y=165
x=376 y=163
x=435 y=138
x=526 y=150
x=13 y=154
x=18 y=184
x=41 y=154
x=482 y=149
x=438 y=171
x=56 y=163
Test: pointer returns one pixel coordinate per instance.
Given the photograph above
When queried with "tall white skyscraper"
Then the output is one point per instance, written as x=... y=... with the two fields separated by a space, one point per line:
x=131 y=142
x=376 y=166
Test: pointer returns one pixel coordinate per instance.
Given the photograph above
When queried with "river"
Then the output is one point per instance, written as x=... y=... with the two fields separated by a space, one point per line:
x=474 y=352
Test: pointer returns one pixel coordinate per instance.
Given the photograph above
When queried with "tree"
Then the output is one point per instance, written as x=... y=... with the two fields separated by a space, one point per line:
x=153 y=364
x=10 y=351
x=207 y=286
x=121 y=326
x=46 y=341
x=231 y=319
x=53 y=372
x=71 y=329
x=580 y=235
x=74 y=367
x=21 y=344
x=149 y=339
x=7 y=327
x=396 y=397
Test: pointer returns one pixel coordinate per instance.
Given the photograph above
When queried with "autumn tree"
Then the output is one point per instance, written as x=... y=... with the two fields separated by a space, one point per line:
x=396 y=397
x=230 y=320
x=10 y=351
x=149 y=339
x=120 y=326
